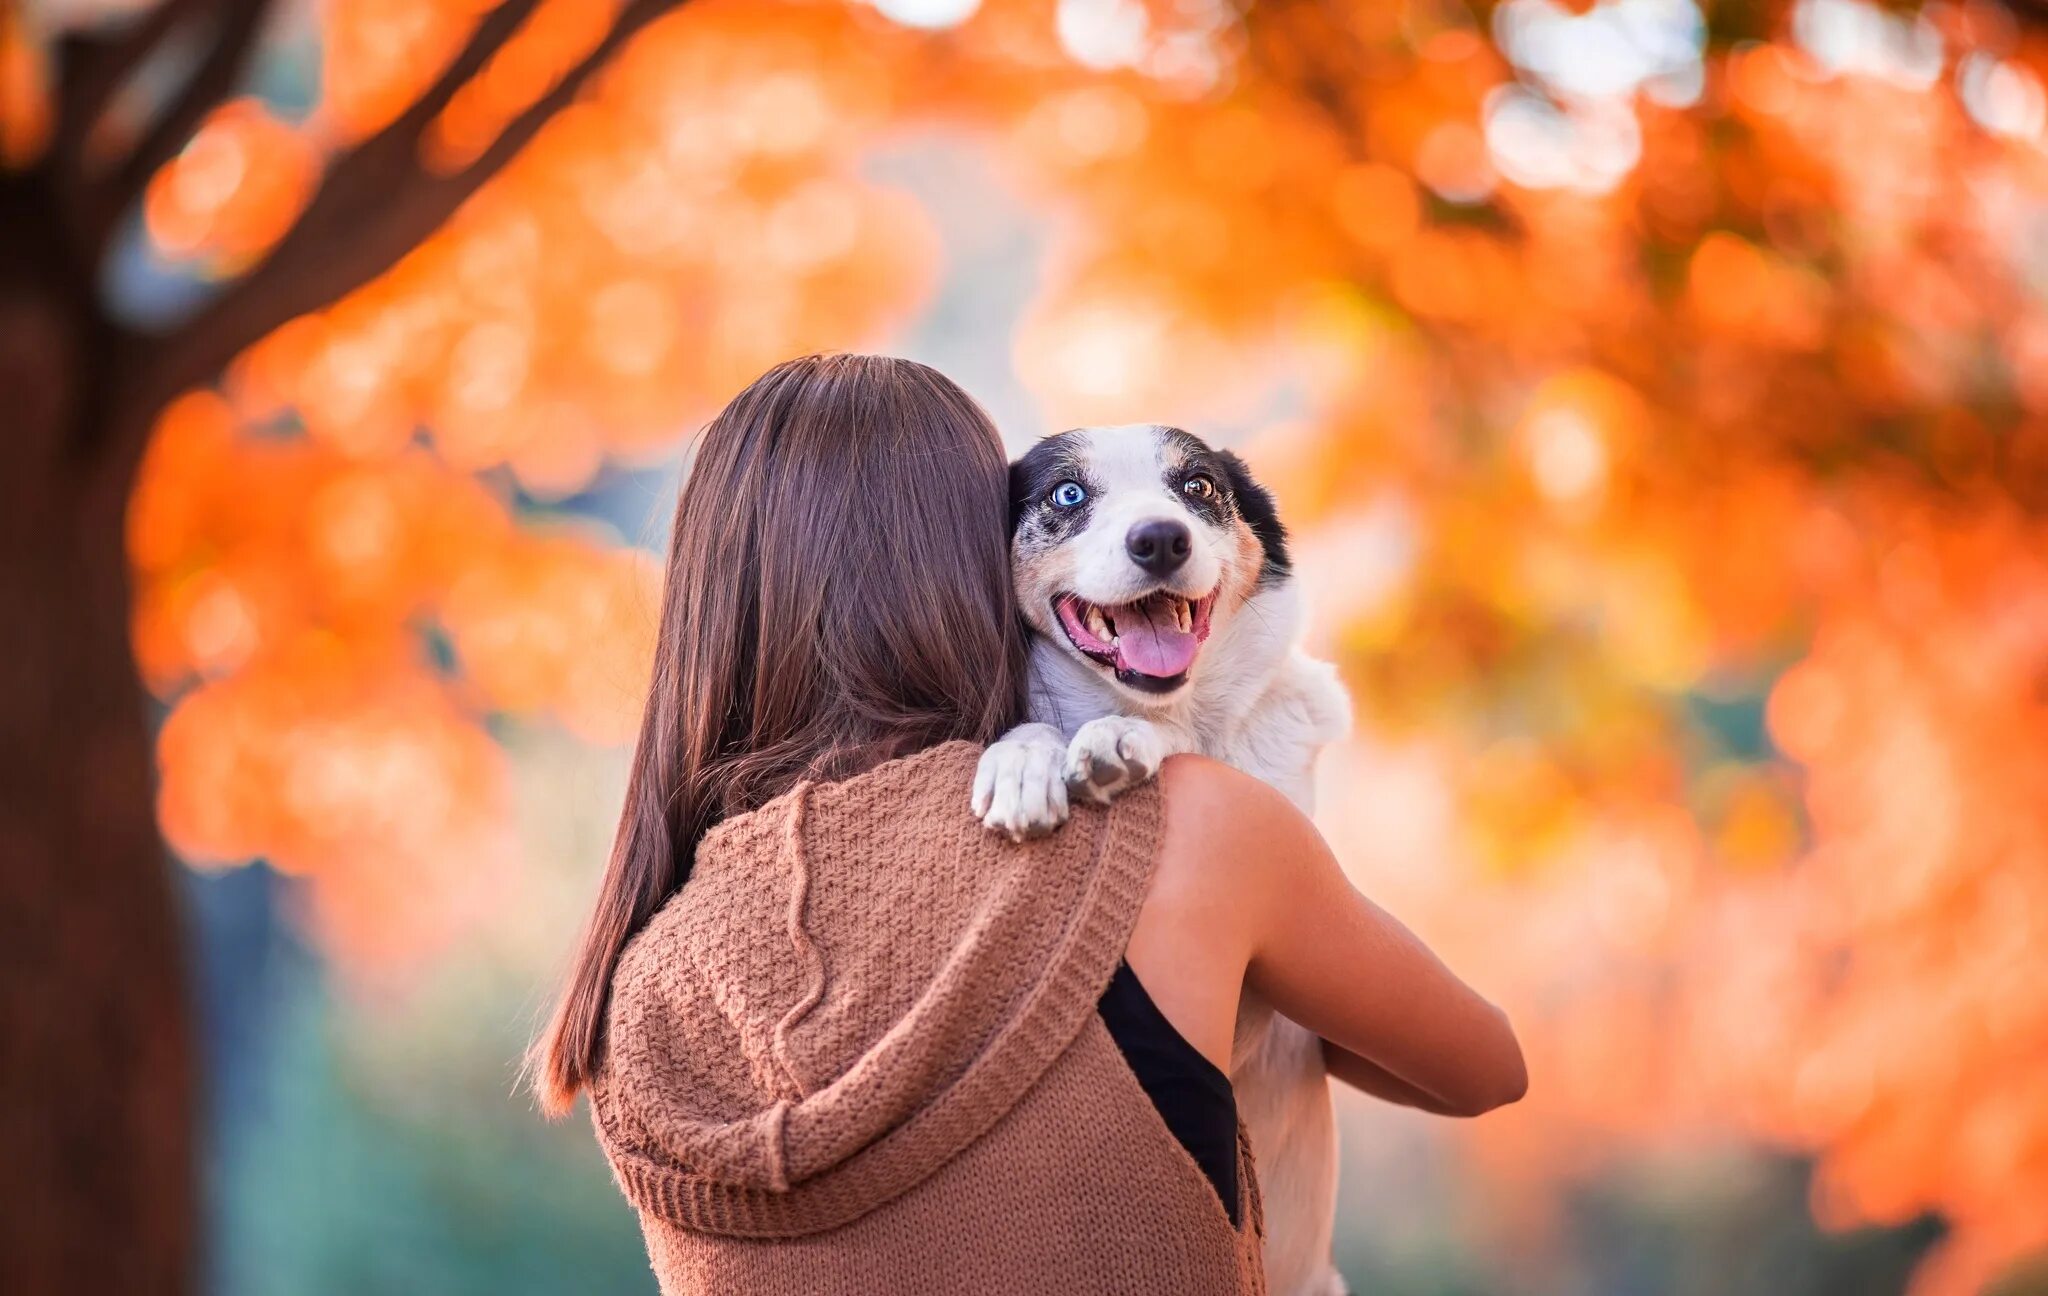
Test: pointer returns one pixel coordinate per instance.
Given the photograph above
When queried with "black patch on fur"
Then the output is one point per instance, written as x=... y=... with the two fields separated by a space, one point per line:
x=1189 y=457
x=1255 y=505
x=1236 y=492
x=1036 y=523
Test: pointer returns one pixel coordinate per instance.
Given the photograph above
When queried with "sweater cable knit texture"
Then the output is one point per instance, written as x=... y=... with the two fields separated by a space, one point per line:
x=858 y=1051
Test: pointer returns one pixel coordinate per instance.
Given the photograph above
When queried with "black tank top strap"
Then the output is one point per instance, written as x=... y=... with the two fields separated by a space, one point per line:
x=1193 y=1096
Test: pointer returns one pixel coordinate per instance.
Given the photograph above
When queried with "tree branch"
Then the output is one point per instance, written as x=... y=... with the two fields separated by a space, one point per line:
x=236 y=26
x=410 y=127
x=375 y=205
x=93 y=68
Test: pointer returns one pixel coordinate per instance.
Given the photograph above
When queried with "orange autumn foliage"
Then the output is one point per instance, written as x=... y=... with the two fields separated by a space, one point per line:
x=1605 y=457
x=234 y=190
x=1754 y=420
x=331 y=597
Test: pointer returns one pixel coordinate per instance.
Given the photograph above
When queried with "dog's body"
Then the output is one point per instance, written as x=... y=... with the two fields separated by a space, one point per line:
x=1137 y=550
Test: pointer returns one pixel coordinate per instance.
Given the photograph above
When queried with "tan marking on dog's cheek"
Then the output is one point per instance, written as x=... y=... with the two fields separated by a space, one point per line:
x=1243 y=576
x=1038 y=615
x=1037 y=579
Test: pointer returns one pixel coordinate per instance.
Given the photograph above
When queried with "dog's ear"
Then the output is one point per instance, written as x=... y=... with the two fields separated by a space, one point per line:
x=1255 y=505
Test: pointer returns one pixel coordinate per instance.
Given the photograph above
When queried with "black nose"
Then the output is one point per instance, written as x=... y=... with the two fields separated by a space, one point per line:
x=1158 y=547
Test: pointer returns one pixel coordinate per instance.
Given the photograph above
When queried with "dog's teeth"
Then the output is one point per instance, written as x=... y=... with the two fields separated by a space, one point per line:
x=1180 y=615
x=1098 y=625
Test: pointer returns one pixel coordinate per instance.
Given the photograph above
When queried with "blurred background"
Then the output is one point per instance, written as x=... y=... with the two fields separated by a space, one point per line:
x=1659 y=390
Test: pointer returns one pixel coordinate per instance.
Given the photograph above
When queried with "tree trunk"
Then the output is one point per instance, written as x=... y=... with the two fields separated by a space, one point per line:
x=96 y=1130
x=96 y=1116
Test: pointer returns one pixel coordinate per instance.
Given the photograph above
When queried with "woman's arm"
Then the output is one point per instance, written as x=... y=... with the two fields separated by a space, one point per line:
x=1368 y=1076
x=1335 y=962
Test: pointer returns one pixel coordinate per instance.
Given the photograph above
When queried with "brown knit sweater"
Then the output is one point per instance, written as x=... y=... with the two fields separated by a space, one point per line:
x=859 y=1052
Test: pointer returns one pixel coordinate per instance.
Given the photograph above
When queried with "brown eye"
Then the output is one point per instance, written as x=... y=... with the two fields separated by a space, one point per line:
x=1199 y=487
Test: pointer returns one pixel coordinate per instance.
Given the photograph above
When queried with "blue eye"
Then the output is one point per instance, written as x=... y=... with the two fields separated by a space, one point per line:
x=1068 y=495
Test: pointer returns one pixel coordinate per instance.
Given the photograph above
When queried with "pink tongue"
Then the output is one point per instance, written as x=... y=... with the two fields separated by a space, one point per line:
x=1152 y=646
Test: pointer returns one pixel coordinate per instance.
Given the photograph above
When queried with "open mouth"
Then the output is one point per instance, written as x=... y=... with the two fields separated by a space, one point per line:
x=1149 y=644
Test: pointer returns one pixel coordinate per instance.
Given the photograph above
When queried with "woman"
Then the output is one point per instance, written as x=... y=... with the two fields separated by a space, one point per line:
x=838 y=1038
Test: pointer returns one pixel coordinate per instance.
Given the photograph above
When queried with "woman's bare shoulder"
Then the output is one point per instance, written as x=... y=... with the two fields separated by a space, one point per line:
x=1227 y=827
x=1202 y=792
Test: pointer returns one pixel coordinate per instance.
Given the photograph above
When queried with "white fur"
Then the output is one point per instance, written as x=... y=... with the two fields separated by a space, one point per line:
x=1253 y=700
x=1020 y=786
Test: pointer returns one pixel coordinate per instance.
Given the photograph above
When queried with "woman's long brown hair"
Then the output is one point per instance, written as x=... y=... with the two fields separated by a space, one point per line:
x=838 y=594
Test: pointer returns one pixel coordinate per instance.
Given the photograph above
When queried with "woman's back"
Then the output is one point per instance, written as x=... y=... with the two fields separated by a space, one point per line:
x=869 y=1031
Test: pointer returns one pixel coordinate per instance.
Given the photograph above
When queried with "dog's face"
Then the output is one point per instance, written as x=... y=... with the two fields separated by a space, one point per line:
x=1132 y=544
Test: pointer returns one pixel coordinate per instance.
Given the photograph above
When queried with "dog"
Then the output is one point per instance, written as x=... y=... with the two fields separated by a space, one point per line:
x=1153 y=573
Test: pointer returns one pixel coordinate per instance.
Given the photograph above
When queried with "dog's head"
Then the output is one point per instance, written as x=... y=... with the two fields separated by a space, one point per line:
x=1131 y=544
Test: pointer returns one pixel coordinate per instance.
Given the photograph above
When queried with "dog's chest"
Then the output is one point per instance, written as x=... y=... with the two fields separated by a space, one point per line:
x=1276 y=738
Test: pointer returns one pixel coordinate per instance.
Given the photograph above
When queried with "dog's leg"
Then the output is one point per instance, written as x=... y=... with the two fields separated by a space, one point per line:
x=1112 y=754
x=1020 y=786
x=1283 y=1097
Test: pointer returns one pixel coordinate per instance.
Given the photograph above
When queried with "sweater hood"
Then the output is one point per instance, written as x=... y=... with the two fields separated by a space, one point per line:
x=856 y=982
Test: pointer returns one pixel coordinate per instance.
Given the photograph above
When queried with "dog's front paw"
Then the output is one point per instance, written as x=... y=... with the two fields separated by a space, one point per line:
x=1020 y=787
x=1111 y=755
